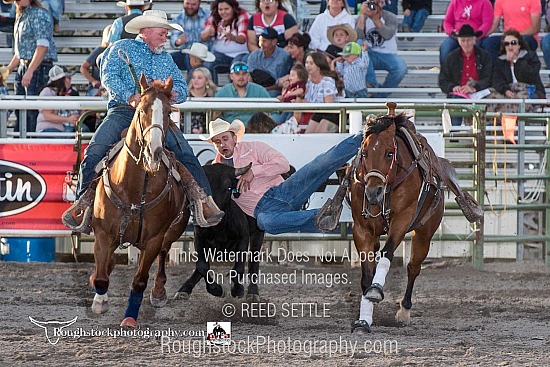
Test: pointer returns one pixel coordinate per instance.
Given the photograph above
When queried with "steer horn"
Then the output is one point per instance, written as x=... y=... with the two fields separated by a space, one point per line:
x=242 y=170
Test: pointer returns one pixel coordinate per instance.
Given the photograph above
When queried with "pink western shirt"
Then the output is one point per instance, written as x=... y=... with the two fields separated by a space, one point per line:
x=267 y=165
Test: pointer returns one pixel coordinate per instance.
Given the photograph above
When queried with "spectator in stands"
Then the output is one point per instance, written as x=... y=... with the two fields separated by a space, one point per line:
x=338 y=36
x=56 y=9
x=337 y=12
x=517 y=67
x=293 y=89
x=352 y=64
x=34 y=55
x=269 y=63
x=240 y=87
x=320 y=88
x=271 y=13
x=545 y=46
x=90 y=69
x=133 y=9
x=378 y=28
x=467 y=69
x=59 y=84
x=198 y=56
x=476 y=13
x=521 y=15
x=193 y=20
x=149 y=58
x=227 y=26
x=298 y=47
x=200 y=86
x=415 y=13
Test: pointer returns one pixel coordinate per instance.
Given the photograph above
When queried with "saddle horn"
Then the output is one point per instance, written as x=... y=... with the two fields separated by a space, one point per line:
x=391 y=106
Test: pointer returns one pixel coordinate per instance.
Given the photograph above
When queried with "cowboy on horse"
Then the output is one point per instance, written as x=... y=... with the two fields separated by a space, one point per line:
x=119 y=70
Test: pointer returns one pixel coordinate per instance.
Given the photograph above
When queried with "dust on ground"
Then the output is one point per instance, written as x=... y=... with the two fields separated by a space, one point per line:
x=461 y=316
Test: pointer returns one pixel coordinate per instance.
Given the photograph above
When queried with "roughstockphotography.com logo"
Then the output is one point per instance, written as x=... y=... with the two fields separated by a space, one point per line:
x=218 y=333
x=52 y=329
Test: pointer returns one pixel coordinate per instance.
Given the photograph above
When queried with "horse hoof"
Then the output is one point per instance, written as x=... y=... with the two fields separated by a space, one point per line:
x=403 y=315
x=361 y=326
x=375 y=293
x=237 y=291
x=182 y=295
x=129 y=322
x=158 y=303
x=216 y=290
x=100 y=304
x=252 y=298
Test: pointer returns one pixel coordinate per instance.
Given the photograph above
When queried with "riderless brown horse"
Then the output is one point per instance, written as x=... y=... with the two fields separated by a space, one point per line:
x=139 y=201
x=397 y=188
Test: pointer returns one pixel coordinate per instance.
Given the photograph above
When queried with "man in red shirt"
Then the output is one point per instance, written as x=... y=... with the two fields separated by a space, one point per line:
x=467 y=69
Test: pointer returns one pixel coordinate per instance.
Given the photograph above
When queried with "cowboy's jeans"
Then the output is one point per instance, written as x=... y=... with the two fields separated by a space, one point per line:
x=108 y=134
x=278 y=211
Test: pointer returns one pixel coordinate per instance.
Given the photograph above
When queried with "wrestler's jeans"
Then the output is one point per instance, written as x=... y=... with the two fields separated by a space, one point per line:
x=108 y=134
x=278 y=211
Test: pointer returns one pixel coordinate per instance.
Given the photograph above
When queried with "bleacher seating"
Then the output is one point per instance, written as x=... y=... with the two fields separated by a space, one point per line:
x=84 y=20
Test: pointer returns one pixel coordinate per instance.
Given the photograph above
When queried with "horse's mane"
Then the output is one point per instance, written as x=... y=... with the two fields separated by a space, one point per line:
x=377 y=124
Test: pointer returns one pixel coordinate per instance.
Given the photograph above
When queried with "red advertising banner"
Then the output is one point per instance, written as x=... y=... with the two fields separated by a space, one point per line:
x=35 y=185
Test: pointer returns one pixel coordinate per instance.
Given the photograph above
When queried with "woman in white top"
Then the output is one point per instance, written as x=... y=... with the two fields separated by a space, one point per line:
x=337 y=12
x=59 y=84
x=227 y=25
x=321 y=87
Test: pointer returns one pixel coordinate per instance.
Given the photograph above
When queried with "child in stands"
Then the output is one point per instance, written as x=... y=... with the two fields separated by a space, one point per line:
x=352 y=65
x=296 y=88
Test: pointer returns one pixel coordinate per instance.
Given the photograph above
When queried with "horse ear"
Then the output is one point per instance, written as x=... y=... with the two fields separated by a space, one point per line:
x=169 y=84
x=143 y=82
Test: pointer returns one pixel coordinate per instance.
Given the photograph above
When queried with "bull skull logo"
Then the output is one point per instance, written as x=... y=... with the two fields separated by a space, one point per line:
x=52 y=329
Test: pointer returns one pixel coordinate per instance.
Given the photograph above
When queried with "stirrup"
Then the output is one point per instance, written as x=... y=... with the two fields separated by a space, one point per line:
x=469 y=207
x=70 y=220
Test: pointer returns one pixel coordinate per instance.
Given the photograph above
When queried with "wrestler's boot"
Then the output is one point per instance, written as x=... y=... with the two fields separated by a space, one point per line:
x=205 y=211
x=77 y=217
x=328 y=216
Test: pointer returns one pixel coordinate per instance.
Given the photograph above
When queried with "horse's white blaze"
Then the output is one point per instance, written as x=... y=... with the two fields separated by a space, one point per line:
x=365 y=311
x=156 y=134
x=381 y=271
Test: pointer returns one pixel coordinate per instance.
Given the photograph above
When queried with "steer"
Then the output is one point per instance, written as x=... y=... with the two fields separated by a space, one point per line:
x=233 y=233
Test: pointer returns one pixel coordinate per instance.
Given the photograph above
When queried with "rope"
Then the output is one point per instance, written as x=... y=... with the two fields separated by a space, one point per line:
x=123 y=55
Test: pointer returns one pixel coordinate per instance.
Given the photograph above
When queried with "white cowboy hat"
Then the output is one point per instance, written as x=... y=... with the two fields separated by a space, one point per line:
x=122 y=4
x=345 y=27
x=151 y=19
x=201 y=51
x=219 y=126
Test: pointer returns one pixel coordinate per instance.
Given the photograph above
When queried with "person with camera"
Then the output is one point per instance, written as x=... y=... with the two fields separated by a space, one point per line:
x=378 y=28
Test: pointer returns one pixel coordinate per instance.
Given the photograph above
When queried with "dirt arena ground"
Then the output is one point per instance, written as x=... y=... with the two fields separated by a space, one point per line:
x=461 y=317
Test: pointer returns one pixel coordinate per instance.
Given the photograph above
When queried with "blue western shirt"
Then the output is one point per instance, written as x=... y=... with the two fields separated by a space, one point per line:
x=34 y=27
x=192 y=27
x=117 y=79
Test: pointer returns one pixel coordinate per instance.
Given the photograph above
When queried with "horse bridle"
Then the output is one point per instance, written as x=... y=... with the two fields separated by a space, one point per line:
x=143 y=133
x=386 y=181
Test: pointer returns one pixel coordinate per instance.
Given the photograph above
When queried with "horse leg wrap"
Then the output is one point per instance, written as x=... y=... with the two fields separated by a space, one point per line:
x=365 y=311
x=381 y=271
x=134 y=303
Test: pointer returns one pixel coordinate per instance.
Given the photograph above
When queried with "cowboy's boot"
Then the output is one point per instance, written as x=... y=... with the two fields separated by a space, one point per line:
x=469 y=206
x=78 y=216
x=205 y=211
x=328 y=216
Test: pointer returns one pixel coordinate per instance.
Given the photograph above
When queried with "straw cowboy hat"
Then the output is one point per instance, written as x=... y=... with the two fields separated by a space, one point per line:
x=346 y=28
x=4 y=73
x=201 y=51
x=219 y=126
x=151 y=19
x=123 y=4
